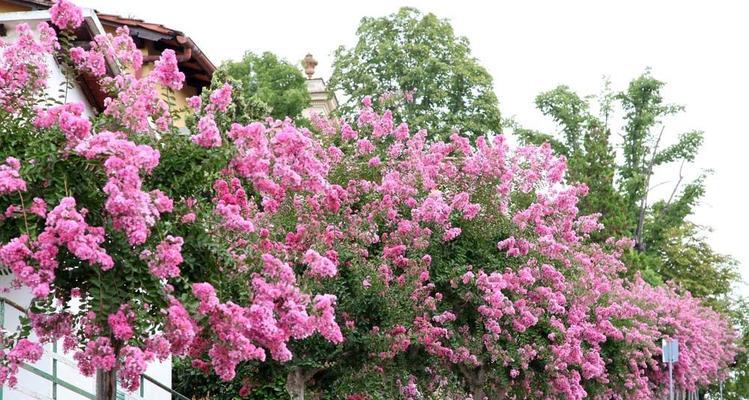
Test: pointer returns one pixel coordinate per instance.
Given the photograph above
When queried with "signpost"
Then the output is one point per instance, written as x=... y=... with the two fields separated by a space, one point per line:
x=670 y=349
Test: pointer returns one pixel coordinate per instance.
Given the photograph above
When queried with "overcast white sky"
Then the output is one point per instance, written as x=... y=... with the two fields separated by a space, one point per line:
x=698 y=48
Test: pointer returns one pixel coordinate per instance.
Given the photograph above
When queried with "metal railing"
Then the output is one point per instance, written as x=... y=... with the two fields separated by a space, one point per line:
x=56 y=381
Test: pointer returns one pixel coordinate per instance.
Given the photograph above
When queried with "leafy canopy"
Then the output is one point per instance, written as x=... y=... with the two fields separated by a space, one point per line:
x=271 y=80
x=419 y=56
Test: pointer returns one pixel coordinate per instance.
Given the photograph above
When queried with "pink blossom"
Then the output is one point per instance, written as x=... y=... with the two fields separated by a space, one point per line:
x=165 y=262
x=208 y=134
x=220 y=98
x=326 y=318
x=34 y=263
x=194 y=102
x=91 y=62
x=66 y=15
x=98 y=354
x=166 y=71
x=188 y=218
x=24 y=351
x=69 y=117
x=180 y=328
x=10 y=179
x=119 y=322
x=319 y=266
x=132 y=366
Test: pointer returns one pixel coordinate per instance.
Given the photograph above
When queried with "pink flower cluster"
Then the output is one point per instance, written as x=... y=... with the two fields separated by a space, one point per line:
x=165 y=262
x=167 y=72
x=66 y=15
x=98 y=354
x=220 y=99
x=34 y=263
x=120 y=324
x=135 y=101
x=278 y=313
x=24 y=351
x=319 y=266
x=69 y=117
x=10 y=179
x=66 y=226
x=133 y=210
x=233 y=207
x=90 y=62
x=138 y=102
x=23 y=66
x=208 y=134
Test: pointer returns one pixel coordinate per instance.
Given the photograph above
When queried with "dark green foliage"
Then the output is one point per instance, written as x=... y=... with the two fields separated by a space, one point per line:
x=413 y=52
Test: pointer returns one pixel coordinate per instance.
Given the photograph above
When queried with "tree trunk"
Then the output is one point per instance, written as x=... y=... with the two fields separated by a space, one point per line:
x=106 y=385
x=639 y=242
x=475 y=379
x=478 y=393
x=296 y=383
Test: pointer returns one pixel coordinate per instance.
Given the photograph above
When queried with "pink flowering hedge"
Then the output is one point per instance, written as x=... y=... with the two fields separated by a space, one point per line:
x=458 y=267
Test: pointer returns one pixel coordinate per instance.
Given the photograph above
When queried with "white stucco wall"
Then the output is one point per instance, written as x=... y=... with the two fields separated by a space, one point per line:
x=32 y=386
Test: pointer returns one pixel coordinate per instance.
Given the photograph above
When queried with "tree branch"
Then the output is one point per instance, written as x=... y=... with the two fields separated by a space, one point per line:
x=639 y=245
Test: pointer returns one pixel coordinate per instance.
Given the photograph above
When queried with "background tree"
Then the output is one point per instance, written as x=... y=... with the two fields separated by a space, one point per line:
x=668 y=247
x=420 y=56
x=618 y=177
x=268 y=79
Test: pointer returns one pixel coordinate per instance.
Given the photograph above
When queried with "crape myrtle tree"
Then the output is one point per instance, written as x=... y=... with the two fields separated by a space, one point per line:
x=490 y=284
x=454 y=269
x=117 y=224
x=419 y=57
x=511 y=300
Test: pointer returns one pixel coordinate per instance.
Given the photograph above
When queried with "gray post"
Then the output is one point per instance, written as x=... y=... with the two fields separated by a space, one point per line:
x=670 y=380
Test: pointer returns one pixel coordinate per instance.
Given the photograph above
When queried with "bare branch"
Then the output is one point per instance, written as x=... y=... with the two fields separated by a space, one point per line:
x=639 y=245
x=681 y=177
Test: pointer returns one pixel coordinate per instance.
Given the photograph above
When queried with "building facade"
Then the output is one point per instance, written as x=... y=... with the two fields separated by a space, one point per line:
x=322 y=101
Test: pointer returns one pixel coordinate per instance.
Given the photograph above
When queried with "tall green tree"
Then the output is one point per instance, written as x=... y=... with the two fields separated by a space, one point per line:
x=266 y=78
x=420 y=57
x=667 y=245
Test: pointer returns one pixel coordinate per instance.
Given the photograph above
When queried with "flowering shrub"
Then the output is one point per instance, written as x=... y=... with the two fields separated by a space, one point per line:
x=100 y=262
x=246 y=243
